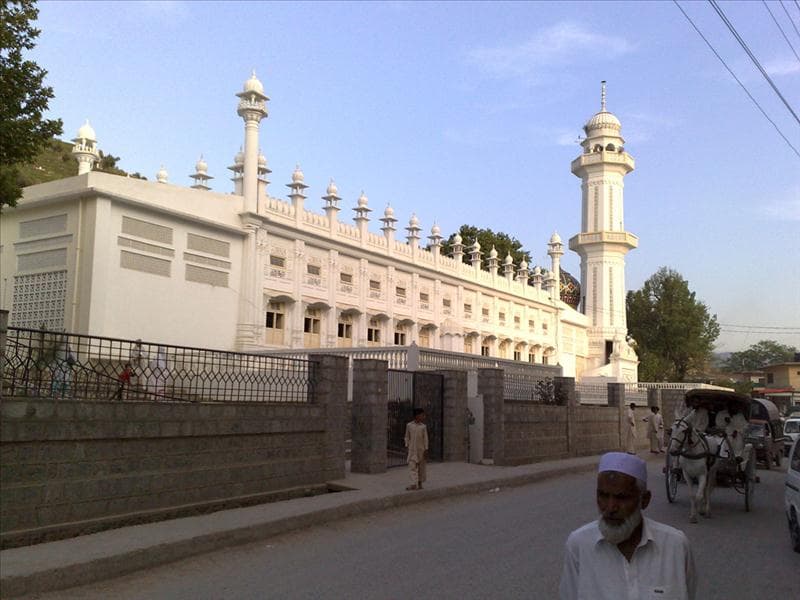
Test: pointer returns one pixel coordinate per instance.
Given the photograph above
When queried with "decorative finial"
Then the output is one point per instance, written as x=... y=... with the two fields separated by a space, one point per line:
x=603 y=96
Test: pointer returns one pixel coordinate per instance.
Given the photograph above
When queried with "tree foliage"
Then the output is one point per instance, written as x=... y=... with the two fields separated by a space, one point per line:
x=502 y=242
x=23 y=96
x=759 y=355
x=674 y=331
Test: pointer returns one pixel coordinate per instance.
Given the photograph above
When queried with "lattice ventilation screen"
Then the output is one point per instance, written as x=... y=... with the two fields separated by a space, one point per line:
x=39 y=300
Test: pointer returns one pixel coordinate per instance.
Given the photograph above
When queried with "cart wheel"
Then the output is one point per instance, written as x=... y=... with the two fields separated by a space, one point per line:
x=671 y=480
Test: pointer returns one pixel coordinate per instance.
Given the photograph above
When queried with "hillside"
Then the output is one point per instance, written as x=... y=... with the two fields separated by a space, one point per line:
x=55 y=161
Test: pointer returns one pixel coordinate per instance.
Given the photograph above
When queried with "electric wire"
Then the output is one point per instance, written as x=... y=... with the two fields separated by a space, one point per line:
x=791 y=20
x=746 y=91
x=783 y=33
x=752 y=56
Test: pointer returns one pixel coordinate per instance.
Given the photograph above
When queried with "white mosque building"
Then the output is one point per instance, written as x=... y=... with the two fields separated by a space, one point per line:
x=119 y=257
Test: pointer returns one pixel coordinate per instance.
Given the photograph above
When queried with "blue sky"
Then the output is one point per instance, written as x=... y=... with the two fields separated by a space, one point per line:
x=468 y=113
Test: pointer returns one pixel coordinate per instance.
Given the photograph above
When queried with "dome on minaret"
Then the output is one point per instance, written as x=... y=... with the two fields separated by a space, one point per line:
x=262 y=160
x=86 y=132
x=201 y=166
x=239 y=158
x=253 y=85
x=297 y=175
x=603 y=119
x=363 y=200
x=457 y=238
x=523 y=265
x=493 y=252
x=413 y=221
x=508 y=260
x=389 y=212
x=332 y=189
x=555 y=238
x=436 y=230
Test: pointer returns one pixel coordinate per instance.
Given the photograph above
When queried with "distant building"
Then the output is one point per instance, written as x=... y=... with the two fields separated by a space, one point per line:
x=121 y=257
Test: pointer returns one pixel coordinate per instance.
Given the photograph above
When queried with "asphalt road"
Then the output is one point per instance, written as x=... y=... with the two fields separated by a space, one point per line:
x=506 y=544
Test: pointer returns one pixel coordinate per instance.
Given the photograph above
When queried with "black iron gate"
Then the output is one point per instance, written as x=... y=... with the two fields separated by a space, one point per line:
x=409 y=390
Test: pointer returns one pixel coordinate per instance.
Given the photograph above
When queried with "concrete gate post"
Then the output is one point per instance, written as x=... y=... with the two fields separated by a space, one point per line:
x=564 y=391
x=616 y=397
x=454 y=401
x=490 y=386
x=370 y=415
x=329 y=387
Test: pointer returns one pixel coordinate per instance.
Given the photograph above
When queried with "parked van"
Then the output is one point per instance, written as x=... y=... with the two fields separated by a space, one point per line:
x=791 y=431
x=766 y=432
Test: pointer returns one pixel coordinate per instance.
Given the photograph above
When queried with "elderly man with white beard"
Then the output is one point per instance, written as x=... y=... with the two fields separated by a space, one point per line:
x=623 y=555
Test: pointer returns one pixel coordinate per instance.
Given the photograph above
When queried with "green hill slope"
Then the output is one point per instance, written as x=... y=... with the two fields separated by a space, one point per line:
x=55 y=162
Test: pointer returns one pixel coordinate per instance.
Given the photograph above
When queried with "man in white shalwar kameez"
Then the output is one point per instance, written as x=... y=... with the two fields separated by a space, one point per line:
x=416 y=441
x=630 y=438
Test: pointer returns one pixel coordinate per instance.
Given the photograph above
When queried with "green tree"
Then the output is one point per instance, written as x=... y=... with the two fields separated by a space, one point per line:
x=23 y=97
x=674 y=331
x=487 y=238
x=759 y=355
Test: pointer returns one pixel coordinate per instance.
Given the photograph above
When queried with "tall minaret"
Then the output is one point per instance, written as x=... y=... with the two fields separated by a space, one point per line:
x=603 y=244
x=252 y=108
x=85 y=148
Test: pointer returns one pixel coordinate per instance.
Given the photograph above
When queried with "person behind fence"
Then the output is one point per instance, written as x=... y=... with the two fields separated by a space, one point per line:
x=654 y=426
x=624 y=554
x=61 y=371
x=630 y=436
x=416 y=441
x=124 y=379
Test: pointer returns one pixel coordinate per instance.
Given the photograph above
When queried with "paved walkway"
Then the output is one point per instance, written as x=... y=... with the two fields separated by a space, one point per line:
x=85 y=559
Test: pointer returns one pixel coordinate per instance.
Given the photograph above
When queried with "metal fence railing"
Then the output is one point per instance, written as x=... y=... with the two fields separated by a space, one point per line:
x=64 y=365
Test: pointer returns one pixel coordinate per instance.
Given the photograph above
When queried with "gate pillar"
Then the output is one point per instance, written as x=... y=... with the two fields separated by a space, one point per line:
x=490 y=386
x=455 y=425
x=368 y=441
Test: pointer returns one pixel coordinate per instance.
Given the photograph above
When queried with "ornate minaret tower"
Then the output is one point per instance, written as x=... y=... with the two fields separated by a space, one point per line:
x=603 y=244
x=252 y=108
x=85 y=148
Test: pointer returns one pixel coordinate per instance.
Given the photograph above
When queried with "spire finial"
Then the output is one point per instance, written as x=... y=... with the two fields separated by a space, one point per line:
x=603 y=96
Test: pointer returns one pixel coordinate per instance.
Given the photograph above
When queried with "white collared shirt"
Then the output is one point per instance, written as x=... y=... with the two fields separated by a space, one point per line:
x=661 y=567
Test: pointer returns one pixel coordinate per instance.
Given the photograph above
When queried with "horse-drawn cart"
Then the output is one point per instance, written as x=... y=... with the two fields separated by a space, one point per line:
x=707 y=445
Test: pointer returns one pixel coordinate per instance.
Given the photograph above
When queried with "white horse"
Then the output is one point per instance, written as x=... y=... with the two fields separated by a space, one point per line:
x=697 y=454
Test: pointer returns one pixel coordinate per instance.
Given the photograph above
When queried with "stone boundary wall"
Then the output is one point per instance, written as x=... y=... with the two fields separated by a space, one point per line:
x=72 y=467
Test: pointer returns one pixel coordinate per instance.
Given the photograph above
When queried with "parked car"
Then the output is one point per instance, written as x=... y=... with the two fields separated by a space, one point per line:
x=792 y=495
x=791 y=431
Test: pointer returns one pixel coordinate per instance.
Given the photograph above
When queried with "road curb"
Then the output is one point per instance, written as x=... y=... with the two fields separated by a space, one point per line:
x=124 y=563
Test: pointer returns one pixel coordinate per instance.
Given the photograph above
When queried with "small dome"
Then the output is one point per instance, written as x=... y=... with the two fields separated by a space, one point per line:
x=436 y=230
x=523 y=265
x=262 y=160
x=297 y=175
x=555 y=238
x=86 y=132
x=476 y=247
x=363 y=200
x=569 y=289
x=201 y=166
x=239 y=158
x=493 y=252
x=332 y=189
x=413 y=221
x=508 y=260
x=457 y=238
x=253 y=85
x=537 y=270
x=603 y=120
x=389 y=212
x=162 y=175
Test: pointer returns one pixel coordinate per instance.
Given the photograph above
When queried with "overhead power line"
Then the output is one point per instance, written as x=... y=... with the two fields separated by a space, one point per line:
x=746 y=91
x=792 y=329
x=791 y=20
x=781 y=28
x=752 y=56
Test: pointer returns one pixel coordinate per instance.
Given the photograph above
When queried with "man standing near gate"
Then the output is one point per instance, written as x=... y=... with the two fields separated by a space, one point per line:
x=416 y=441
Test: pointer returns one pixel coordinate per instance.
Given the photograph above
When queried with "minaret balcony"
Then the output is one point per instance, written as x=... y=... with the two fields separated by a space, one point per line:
x=608 y=157
x=620 y=238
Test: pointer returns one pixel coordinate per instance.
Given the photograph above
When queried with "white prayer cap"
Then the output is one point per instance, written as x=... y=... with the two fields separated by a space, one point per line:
x=624 y=463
